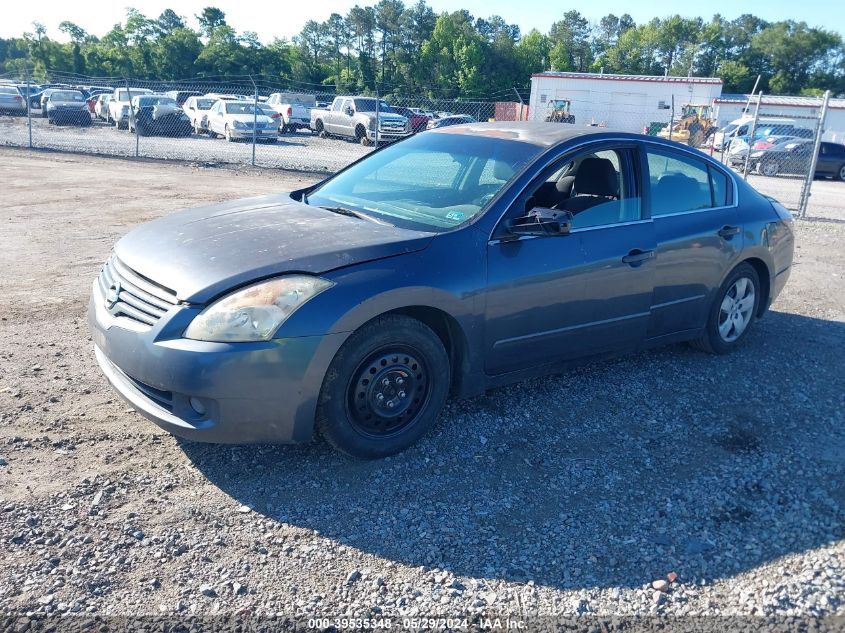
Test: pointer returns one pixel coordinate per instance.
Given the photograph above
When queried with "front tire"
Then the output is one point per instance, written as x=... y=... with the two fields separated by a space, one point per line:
x=733 y=312
x=770 y=169
x=384 y=389
x=840 y=175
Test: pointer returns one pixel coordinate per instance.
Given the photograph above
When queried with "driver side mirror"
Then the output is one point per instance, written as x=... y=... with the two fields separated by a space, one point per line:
x=541 y=221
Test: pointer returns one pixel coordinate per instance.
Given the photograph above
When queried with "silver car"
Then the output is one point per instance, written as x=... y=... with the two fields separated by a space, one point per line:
x=11 y=100
x=234 y=120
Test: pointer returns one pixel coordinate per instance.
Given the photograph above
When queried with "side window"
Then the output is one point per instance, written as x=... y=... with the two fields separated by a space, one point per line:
x=591 y=186
x=680 y=183
x=336 y=105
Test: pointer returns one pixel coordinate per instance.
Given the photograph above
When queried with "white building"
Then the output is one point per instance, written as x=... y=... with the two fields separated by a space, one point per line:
x=624 y=102
x=801 y=111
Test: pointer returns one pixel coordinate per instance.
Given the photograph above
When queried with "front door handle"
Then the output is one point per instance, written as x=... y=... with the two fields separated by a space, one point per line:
x=727 y=232
x=637 y=257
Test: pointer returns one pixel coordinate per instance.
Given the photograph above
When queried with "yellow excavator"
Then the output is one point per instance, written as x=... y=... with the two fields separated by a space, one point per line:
x=694 y=126
x=559 y=111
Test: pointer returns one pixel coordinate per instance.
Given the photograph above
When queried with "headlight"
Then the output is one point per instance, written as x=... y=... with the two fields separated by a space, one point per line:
x=238 y=125
x=255 y=313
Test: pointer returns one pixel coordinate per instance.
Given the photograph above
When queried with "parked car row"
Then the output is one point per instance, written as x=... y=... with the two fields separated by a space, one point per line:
x=357 y=117
x=790 y=155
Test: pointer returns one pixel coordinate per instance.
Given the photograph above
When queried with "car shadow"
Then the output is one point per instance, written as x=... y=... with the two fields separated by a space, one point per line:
x=607 y=475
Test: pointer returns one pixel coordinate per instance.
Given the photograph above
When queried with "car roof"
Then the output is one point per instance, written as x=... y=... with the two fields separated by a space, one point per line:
x=538 y=133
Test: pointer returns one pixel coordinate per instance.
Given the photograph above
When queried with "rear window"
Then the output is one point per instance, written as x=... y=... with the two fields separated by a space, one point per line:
x=9 y=90
x=680 y=183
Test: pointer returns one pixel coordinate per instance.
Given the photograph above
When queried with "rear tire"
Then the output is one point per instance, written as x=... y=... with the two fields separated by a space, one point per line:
x=384 y=389
x=733 y=312
x=840 y=175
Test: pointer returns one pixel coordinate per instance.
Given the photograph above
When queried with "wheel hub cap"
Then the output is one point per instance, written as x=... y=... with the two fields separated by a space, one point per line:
x=736 y=310
x=387 y=392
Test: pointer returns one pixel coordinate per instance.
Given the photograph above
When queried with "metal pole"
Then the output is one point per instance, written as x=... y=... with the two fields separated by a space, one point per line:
x=808 y=182
x=751 y=136
x=254 y=118
x=672 y=118
x=132 y=117
x=521 y=104
x=753 y=91
x=29 y=107
x=378 y=113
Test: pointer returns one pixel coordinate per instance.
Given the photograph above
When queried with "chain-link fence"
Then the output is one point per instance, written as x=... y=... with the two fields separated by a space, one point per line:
x=270 y=123
x=782 y=155
x=239 y=121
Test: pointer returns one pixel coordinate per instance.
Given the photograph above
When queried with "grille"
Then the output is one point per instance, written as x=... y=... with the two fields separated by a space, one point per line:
x=130 y=295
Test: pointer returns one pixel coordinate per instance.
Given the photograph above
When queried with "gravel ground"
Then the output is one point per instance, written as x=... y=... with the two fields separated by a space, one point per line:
x=302 y=151
x=670 y=482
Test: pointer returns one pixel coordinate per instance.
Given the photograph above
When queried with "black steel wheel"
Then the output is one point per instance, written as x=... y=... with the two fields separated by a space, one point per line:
x=384 y=389
x=388 y=391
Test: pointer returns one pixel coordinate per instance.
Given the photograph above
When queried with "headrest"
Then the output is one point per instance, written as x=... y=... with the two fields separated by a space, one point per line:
x=502 y=170
x=597 y=177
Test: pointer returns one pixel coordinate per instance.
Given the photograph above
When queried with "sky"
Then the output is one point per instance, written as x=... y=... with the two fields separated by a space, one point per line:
x=284 y=18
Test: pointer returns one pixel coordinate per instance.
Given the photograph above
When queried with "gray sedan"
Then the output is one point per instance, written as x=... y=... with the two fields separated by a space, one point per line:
x=453 y=262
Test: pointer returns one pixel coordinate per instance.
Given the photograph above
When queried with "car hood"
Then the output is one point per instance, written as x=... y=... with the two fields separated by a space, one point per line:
x=201 y=253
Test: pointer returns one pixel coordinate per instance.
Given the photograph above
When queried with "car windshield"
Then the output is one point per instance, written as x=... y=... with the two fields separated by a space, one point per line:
x=66 y=95
x=369 y=105
x=154 y=101
x=431 y=182
x=204 y=104
x=241 y=108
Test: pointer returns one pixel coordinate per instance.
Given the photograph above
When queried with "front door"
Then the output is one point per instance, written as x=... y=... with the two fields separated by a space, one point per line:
x=563 y=297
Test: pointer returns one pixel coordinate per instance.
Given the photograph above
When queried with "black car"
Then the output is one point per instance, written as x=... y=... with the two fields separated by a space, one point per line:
x=157 y=114
x=795 y=158
x=451 y=262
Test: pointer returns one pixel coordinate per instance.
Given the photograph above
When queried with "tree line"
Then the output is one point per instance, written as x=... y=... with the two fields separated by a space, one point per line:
x=409 y=50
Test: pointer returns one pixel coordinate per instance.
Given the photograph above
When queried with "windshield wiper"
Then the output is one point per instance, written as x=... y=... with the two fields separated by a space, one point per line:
x=349 y=212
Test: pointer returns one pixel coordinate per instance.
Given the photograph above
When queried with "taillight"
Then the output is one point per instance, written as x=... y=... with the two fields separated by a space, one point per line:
x=290 y=112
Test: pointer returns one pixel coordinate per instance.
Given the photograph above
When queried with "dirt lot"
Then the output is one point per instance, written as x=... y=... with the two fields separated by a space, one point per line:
x=567 y=495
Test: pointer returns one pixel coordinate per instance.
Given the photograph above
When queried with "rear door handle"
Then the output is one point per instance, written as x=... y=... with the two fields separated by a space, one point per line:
x=727 y=232
x=637 y=257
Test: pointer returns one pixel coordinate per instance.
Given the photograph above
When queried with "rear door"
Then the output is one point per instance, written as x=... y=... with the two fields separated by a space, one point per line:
x=698 y=232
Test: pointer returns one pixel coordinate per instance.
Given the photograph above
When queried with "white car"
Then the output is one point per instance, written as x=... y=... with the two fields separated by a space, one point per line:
x=235 y=119
x=101 y=107
x=226 y=97
x=119 y=105
x=295 y=109
x=197 y=109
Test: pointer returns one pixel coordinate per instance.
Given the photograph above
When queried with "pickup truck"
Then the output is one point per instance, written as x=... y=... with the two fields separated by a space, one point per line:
x=355 y=118
x=294 y=108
